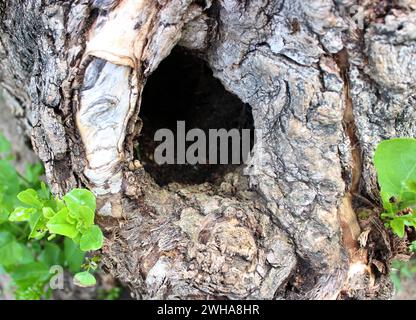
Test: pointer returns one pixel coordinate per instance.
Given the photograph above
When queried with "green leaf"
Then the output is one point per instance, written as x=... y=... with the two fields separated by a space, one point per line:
x=92 y=239
x=409 y=219
x=86 y=215
x=9 y=185
x=73 y=255
x=84 y=279
x=397 y=225
x=28 y=255
x=21 y=214
x=78 y=198
x=31 y=198
x=44 y=192
x=77 y=239
x=59 y=204
x=11 y=252
x=48 y=213
x=4 y=215
x=33 y=172
x=395 y=162
x=58 y=224
x=38 y=226
x=51 y=254
x=27 y=274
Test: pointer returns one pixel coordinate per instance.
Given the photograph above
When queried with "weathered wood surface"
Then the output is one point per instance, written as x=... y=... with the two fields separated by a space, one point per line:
x=326 y=80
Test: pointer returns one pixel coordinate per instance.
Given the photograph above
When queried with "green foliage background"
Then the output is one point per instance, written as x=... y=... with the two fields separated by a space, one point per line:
x=32 y=223
x=395 y=162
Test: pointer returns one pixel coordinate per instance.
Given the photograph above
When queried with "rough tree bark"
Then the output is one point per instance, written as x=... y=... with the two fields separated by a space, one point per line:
x=326 y=81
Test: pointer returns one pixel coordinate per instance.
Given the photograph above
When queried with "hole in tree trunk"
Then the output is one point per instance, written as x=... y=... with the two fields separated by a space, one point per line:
x=184 y=89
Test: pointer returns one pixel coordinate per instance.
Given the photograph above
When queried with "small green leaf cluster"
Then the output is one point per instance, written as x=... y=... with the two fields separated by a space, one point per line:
x=32 y=223
x=72 y=216
x=395 y=162
x=85 y=278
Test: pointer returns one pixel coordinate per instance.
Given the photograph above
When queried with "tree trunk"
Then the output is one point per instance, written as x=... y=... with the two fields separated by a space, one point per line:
x=325 y=82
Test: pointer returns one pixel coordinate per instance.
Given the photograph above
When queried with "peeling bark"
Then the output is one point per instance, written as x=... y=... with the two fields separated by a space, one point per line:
x=323 y=88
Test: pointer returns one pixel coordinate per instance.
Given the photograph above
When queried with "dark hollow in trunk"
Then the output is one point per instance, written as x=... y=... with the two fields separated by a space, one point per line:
x=183 y=89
